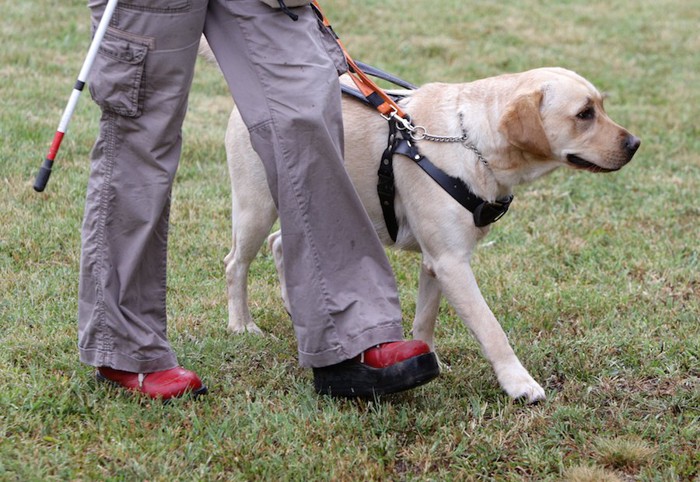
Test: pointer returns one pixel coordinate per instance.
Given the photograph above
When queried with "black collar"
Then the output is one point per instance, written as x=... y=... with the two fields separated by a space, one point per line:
x=484 y=212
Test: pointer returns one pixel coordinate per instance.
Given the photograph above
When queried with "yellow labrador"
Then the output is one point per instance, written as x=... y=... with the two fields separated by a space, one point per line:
x=519 y=128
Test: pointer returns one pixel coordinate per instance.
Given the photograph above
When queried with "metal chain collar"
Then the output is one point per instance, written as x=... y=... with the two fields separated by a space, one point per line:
x=418 y=133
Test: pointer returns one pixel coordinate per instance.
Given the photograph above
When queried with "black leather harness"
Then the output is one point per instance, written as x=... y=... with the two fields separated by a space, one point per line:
x=484 y=212
x=400 y=142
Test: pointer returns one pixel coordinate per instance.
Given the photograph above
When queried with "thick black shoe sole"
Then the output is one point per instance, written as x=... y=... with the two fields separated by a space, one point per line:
x=354 y=379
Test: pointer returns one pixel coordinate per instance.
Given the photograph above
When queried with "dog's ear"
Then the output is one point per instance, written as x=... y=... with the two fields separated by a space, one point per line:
x=521 y=123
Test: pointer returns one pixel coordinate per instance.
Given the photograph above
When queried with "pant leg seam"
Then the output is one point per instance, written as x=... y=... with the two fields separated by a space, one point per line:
x=106 y=342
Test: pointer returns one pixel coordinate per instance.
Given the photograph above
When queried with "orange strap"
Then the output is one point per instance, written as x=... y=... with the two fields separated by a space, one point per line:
x=374 y=94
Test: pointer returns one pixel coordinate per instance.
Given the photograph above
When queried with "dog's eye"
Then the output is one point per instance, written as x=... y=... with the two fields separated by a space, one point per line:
x=586 y=114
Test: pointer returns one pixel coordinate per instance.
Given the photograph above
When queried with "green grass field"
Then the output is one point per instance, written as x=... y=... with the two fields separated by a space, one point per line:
x=594 y=277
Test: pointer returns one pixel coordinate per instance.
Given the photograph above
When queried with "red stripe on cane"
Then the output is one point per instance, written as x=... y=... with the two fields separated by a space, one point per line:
x=53 y=150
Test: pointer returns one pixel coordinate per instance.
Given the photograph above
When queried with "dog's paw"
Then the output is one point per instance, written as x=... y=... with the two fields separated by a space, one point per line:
x=444 y=366
x=245 y=328
x=519 y=385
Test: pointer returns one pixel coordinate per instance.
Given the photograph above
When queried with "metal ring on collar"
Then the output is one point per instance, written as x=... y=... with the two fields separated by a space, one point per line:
x=418 y=133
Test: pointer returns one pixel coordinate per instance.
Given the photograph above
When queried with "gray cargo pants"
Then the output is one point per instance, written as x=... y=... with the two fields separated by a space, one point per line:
x=283 y=77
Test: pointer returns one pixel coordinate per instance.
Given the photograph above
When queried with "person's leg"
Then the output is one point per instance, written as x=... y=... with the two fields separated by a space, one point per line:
x=342 y=291
x=141 y=79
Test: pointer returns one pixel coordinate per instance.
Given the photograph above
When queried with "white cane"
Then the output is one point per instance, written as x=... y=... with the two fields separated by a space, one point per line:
x=45 y=171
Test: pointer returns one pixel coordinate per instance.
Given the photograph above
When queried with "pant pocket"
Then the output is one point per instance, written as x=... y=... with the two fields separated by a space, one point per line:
x=288 y=3
x=158 y=6
x=117 y=75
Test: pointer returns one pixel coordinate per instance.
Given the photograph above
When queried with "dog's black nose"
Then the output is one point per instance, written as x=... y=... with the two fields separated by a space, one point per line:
x=632 y=144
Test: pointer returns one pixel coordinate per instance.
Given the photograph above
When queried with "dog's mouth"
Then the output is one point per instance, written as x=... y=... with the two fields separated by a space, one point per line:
x=581 y=163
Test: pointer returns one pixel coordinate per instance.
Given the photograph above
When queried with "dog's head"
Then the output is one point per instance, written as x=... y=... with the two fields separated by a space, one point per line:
x=558 y=115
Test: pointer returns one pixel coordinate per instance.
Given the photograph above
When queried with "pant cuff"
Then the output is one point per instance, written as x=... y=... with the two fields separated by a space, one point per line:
x=119 y=361
x=352 y=348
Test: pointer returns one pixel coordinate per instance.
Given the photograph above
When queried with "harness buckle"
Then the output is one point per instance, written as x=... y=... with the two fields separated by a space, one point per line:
x=403 y=123
x=389 y=116
x=490 y=212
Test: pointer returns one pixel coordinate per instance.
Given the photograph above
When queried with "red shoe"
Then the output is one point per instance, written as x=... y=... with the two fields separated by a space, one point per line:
x=165 y=384
x=384 y=369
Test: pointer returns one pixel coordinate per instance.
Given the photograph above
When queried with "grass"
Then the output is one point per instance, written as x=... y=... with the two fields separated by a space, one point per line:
x=594 y=278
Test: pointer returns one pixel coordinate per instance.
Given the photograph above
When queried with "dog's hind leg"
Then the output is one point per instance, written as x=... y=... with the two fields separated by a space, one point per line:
x=427 y=307
x=250 y=227
x=253 y=213
x=274 y=242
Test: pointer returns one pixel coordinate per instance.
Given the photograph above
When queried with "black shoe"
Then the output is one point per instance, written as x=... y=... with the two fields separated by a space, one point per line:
x=384 y=369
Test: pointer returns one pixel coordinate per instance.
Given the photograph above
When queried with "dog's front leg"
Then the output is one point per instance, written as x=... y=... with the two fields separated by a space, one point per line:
x=461 y=290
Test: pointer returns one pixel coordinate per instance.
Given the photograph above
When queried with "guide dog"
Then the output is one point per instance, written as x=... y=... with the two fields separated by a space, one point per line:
x=518 y=127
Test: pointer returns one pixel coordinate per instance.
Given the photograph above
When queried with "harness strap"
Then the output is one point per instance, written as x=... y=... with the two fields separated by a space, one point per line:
x=357 y=95
x=483 y=212
x=386 y=188
x=380 y=74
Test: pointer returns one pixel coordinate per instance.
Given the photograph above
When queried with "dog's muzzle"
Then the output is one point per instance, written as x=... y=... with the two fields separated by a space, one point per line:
x=629 y=147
